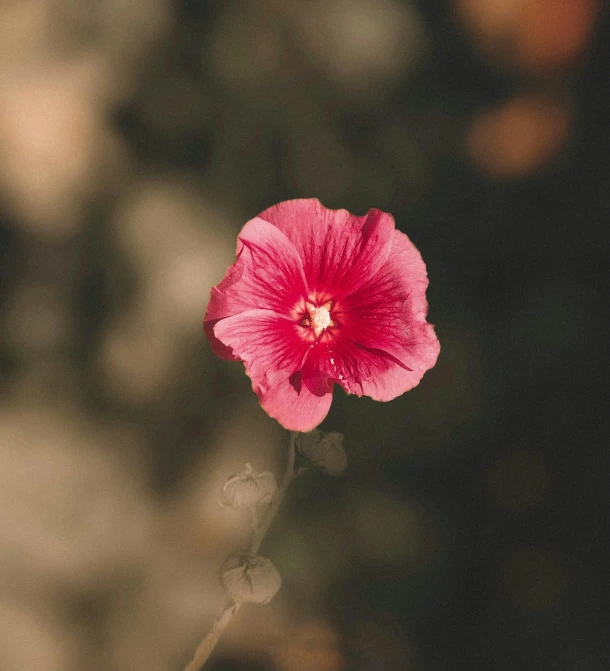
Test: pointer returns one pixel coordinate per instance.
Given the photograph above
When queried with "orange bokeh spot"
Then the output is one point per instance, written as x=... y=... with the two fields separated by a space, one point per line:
x=535 y=35
x=554 y=33
x=519 y=137
x=312 y=646
x=490 y=21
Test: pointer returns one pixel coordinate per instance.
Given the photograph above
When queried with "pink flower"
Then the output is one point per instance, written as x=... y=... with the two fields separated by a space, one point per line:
x=320 y=297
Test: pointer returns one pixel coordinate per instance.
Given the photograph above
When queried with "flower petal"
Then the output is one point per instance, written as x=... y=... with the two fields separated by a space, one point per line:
x=340 y=251
x=273 y=352
x=220 y=349
x=295 y=411
x=368 y=372
x=389 y=313
x=381 y=345
x=268 y=274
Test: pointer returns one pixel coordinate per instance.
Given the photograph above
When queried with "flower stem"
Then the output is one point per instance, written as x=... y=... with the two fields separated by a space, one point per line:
x=204 y=650
x=259 y=534
x=211 y=638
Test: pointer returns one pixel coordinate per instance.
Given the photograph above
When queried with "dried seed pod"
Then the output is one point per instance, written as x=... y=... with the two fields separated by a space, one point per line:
x=250 y=578
x=247 y=489
x=324 y=450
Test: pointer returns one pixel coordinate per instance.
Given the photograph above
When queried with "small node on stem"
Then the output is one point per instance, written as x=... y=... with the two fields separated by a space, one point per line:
x=248 y=489
x=324 y=450
x=250 y=578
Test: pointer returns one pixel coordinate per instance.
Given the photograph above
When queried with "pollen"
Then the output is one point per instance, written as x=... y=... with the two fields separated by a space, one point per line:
x=319 y=317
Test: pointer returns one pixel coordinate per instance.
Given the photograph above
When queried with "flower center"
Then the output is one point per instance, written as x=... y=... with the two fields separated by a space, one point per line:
x=319 y=317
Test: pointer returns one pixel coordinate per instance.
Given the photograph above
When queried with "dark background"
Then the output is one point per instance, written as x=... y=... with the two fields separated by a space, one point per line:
x=136 y=139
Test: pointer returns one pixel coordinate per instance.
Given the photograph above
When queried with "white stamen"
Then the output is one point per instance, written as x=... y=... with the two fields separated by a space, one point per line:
x=319 y=318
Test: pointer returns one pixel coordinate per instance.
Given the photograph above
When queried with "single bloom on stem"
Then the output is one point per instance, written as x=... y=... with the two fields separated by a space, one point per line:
x=319 y=297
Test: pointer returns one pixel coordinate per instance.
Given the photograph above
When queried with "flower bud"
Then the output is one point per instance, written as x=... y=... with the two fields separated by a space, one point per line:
x=250 y=578
x=247 y=489
x=324 y=450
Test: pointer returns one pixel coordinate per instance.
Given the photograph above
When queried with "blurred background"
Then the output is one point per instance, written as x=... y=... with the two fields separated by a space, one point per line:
x=136 y=139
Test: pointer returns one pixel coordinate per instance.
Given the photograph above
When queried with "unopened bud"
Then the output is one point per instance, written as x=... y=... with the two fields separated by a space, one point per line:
x=250 y=578
x=324 y=450
x=247 y=489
